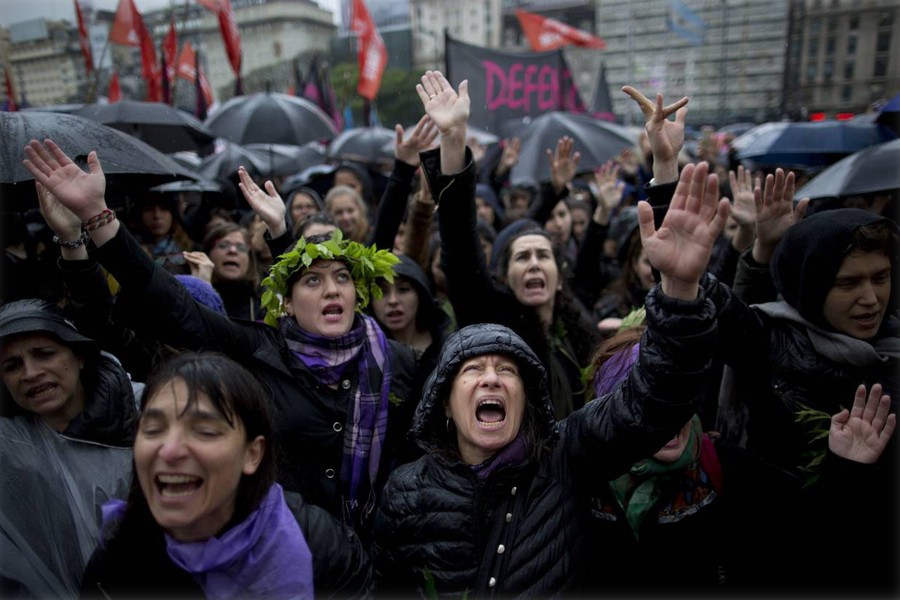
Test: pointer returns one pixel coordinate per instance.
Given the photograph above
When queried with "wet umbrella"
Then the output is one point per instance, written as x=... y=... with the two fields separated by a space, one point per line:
x=223 y=165
x=736 y=129
x=287 y=160
x=364 y=144
x=822 y=143
x=597 y=140
x=873 y=169
x=166 y=128
x=271 y=118
x=129 y=164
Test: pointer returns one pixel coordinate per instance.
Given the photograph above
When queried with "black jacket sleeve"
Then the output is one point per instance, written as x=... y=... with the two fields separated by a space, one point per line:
x=393 y=205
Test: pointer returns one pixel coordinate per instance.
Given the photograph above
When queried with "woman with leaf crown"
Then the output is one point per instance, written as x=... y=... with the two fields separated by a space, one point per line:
x=341 y=393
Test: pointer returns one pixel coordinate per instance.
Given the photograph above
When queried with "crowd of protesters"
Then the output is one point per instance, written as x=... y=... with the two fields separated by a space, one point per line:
x=661 y=376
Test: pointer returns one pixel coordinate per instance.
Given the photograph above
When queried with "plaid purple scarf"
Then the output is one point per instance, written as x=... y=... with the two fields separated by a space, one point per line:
x=365 y=431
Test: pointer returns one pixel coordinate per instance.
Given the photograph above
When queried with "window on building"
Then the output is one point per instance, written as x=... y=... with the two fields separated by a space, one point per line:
x=848 y=70
x=828 y=70
x=810 y=73
x=830 y=44
x=812 y=48
x=881 y=63
x=886 y=18
x=851 y=45
x=883 y=43
x=847 y=93
x=854 y=22
x=815 y=25
x=827 y=94
x=832 y=23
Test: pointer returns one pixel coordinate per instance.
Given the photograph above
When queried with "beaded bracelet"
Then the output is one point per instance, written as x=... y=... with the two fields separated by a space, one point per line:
x=81 y=241
x=105 y=217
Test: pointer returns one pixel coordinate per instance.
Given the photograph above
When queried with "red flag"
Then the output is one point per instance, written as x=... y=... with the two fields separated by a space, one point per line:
x=115 y=92
x=150 y=67
x=170 y=49
x=372 y=54
x=231 y=37
x=186 y=69
x=549 y=34
x=10 y=104
x=84 y=40
x=127 y=25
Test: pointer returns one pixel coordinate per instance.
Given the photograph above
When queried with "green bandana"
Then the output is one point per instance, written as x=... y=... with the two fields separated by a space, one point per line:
x=367 y=265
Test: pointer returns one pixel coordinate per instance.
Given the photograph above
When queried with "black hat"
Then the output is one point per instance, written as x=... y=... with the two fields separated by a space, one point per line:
x=32 y=315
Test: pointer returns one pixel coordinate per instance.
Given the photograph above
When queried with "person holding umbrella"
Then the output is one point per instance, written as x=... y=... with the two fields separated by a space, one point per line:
x=342 y=395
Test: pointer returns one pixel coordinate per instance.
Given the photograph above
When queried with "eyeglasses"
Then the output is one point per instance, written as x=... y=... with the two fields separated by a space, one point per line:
x=226 y=245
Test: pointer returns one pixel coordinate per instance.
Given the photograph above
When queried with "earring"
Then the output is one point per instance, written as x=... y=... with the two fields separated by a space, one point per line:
x=449 y=423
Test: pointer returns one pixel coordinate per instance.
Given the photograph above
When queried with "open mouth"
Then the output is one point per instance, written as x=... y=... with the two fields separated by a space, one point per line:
x=490 y=412
x=174 y=486
x=535 y=284
x=41 y=390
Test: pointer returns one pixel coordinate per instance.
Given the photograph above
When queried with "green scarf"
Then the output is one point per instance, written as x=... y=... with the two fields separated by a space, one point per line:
x=638 y=491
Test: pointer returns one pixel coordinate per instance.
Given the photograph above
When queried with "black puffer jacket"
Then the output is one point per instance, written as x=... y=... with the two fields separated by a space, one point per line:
x=309 y=417
x=520 y=531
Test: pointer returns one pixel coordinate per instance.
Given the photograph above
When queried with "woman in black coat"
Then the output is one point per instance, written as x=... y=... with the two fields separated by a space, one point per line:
x=500 y=501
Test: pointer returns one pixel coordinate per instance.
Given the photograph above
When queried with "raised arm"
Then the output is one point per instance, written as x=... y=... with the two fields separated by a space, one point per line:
x=449 y=109
x=666 y=137
x=680 y=248
x=775 y=213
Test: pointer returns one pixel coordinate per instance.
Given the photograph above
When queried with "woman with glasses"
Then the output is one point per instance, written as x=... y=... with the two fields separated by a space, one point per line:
x=234 y=273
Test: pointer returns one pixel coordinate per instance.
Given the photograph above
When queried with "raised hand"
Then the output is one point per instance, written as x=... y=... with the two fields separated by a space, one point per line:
x=743 y=208
x=62 y=222
x=666 y=137
x=775 y=213
x=80 y=192
x=563 y=163
x=681 y=247
x=422 y=138
x=448 y=108
x=265 y=203
x=512 y=147
x=609 y=191
x=201 y=265
x=862 y=433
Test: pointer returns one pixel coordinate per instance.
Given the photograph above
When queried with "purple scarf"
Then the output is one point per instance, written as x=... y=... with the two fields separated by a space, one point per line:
x=266 y=556
x=365 y=431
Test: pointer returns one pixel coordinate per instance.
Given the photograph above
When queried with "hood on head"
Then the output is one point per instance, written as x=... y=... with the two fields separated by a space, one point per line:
x=431 y=316
x=429 y=424
x=809 y=256
x=487 y=193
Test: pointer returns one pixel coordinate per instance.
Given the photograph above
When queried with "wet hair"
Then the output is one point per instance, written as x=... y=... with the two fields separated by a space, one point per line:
x=237 y=396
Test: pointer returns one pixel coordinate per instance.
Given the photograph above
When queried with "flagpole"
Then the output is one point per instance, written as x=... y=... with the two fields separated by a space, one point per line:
x=95 y=80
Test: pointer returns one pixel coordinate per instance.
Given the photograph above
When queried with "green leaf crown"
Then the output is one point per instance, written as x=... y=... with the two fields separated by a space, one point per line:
x=367 y=265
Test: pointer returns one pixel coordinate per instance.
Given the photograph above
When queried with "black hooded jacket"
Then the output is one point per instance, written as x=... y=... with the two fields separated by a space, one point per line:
x=521 y=530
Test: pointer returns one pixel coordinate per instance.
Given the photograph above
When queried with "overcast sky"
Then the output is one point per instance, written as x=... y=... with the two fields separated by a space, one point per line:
x=13 y=11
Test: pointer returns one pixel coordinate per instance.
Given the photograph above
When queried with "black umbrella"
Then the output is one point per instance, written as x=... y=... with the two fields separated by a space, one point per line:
x=363 y=144
x=816 y=144
x=130 y=165
x=166 y=128
x=271 y=118
x=597 y=140
x=223 y=165
x=873 y=169
x=287 y=160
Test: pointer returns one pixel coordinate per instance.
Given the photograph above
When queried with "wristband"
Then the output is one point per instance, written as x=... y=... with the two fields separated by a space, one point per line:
x=105 y=217
x=81 y=241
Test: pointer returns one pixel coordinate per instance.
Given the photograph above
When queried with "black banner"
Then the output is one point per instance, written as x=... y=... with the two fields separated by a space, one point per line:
x=509 y=87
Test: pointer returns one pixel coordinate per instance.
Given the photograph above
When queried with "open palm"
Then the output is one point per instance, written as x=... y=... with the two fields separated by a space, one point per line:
x=80 y=192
